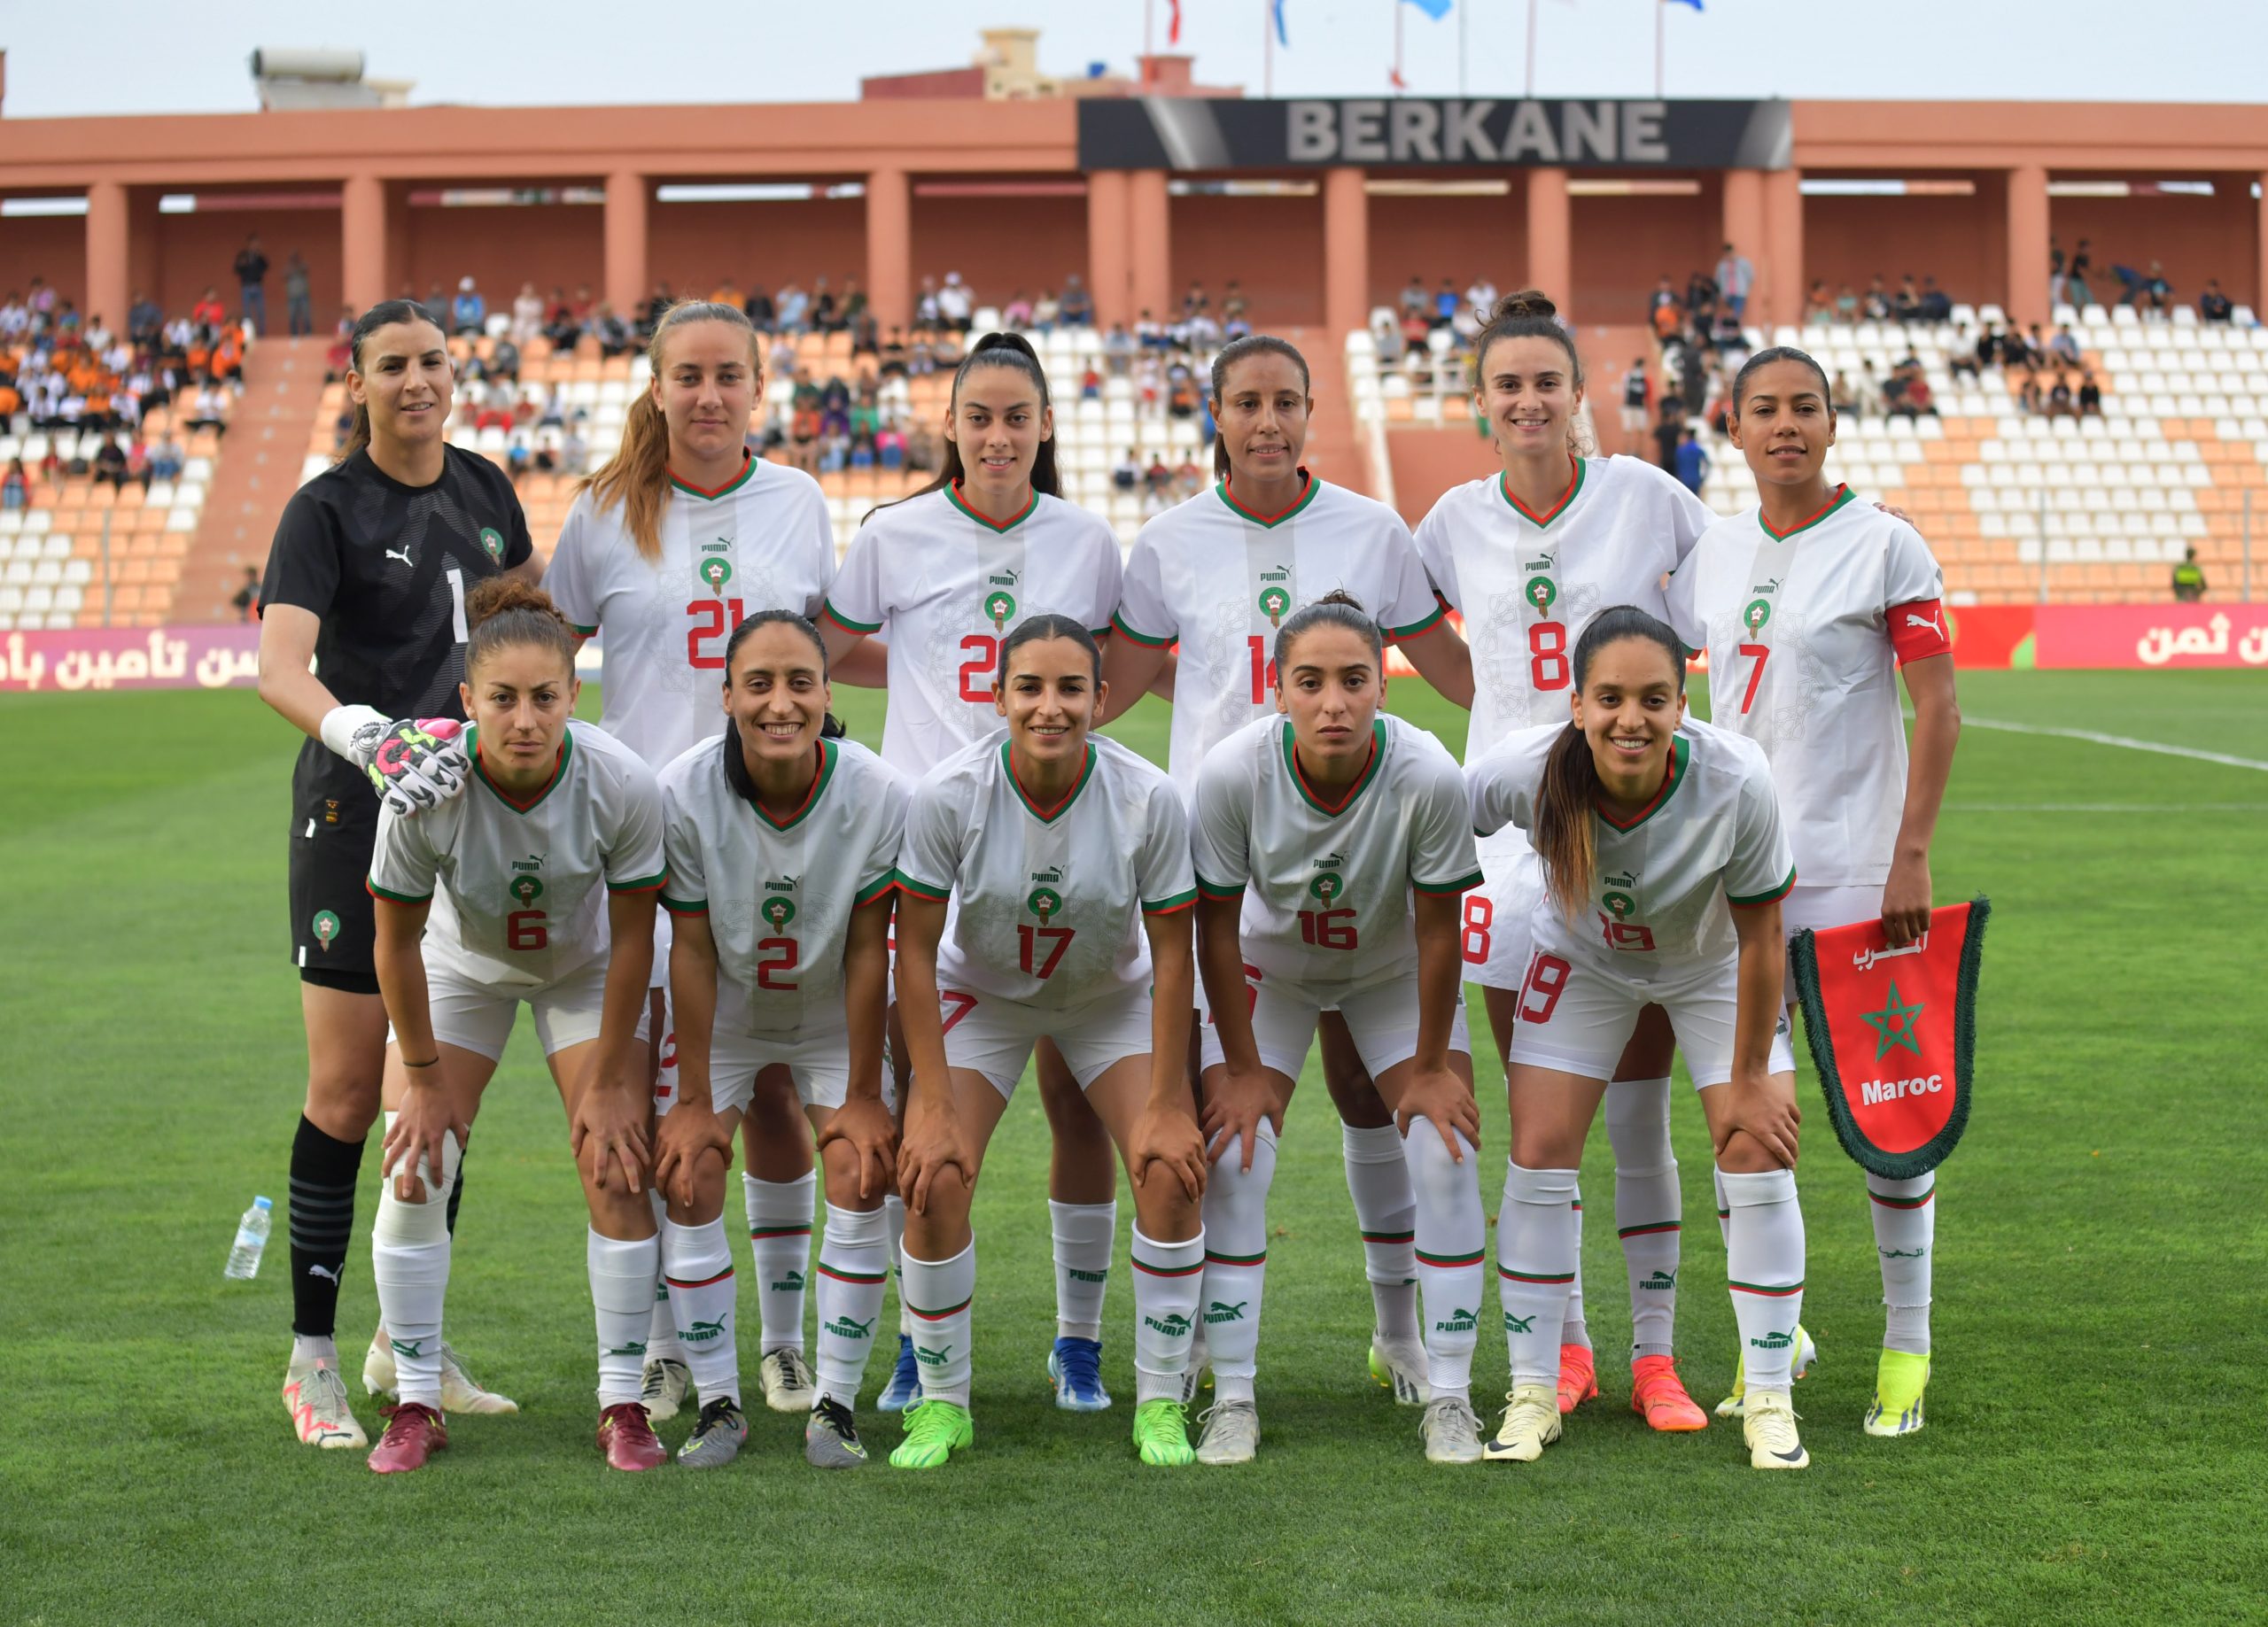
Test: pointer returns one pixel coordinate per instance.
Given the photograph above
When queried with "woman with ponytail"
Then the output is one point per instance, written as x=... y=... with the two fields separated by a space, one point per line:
x=668 y=548
x=1646 y=826
x=369 y=577
x=537 y=886
x=1528 y=556
x=1219 y=575
x=954 y=569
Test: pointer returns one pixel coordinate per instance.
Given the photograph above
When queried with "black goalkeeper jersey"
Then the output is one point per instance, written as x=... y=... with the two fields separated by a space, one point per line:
x=387 y=567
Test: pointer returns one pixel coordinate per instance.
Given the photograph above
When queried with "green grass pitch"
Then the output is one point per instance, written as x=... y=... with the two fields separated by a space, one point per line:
x=2095 y=1448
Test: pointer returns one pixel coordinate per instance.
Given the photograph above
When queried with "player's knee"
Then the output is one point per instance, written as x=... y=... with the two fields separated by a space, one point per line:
x=841 y=1161
x=1433 y=1171
x=1744 y=1155
x=1546 y=1146
x=1164 y=1209
x=344 y=1097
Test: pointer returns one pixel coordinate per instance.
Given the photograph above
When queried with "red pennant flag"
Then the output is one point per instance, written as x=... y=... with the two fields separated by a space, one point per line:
x=1173 y=24
x=1893 y=1034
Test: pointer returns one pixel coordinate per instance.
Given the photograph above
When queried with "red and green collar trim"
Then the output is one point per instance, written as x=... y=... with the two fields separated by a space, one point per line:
x=1048 y=816
x=1311 y=485
x=824 y=773
x=748 y=468
x=953 y=496
x=1680 y=751
x=1566 y=498
x=1843 y=494
x=1362 y=782
x=480 y=771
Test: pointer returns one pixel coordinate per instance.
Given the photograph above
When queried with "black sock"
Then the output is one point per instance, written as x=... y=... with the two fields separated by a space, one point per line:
x=456 y=1192
x=324 y=1173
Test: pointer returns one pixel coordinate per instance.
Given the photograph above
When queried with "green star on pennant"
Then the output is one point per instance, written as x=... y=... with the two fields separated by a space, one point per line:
x=1894 y=1024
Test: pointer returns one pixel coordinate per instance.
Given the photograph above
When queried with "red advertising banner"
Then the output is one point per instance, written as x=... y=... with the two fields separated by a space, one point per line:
x=225 y=657
x=1992 y=636
x=2153 y=635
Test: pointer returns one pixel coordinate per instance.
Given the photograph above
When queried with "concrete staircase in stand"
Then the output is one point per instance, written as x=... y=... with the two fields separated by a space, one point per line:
x=255 y=476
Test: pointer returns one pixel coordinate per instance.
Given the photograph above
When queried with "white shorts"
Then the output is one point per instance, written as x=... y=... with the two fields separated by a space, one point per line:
x=820 y=1062
x=1575 y=1015
x=1497 y=925
x=475 y=1017
x=1382 y=1018
x=996 y=1036
x=1822 y=907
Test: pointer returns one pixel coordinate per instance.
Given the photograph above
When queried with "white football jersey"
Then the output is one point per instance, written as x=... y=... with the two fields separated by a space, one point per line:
x=1711 y=837
x=1219 y=579
x=1801 y=661
x=1327 y=888
x=779 y=897
x=763 y=543
x=518 y=887
x=1046 y=902
x=1528 y=583
x=951 y=584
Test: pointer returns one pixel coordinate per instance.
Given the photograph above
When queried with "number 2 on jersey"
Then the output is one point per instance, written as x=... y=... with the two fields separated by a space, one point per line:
x=710 y=619
x=976 y=672
x=781 y=955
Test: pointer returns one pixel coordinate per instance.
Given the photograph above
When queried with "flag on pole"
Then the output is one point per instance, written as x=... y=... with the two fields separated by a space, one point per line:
x=1434 y=9
x=1173 y=24
x=1696 y=4
x=1282 y=38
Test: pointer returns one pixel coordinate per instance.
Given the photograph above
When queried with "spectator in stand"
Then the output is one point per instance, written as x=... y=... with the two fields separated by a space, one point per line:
x=1118 y=348
x=2075 y=292
x=1481 y=296
x=2028 y=399
x=1818 y=307
x=613 y=334
x=1236 y=311
x=2090 y=395
x=2063 y=349
x=168 y=458
x=1935 y=305
x=1872 y=401
x=955 y=303
x=2188 y=579
x=1692 y=462
x=245 y=599
x=1415 y=303
x=1017 y=311
x=921 y=451
x=252 y=282
x=143 y=321
x=2015 y=353
x=1445 y=304
x=574 y=451
x=889 y=446
x=1847 y=305
x=1076 y=308
x=2212 y=305
x=1669 y=432
x=1701 y=301
x=1907 y=306
x=794 y=309
x=15 y=486
x=109 y=462
x=208 y=313
x=2055 y=273
x=1878 y=305
x=298 y=296
x=503 y=360
x=761 y=314
x=1663 y=312
x=925 y=312
x=729 y=292
x=657 y=307
x=2154 y=292
x=1735 y=277
x=469 y=312
x=527 y=314
x=1961 y=354
x=1635 y=389
x=1046 y=311
x=1843 y=397
x=1127 y=474
x=2059 y=399
x=826 y=313
x=138 y=464
x=1090 y=384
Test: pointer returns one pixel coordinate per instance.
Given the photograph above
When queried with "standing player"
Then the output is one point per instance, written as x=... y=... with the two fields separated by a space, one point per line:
x=537 y=885
x=1219 y=575
x=1529 y=555
x=1810 y=605
x=1332 y=849
x=367 y=576
x=953 y=569
x=782 y=845
x=1066 y=862
x=1647 y=827
x=667 y=549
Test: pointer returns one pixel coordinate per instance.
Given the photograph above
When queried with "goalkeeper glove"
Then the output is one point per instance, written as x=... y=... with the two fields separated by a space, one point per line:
x=414 y=764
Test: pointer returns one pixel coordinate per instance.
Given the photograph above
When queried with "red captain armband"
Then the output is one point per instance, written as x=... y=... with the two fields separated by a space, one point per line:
x=1917 y=630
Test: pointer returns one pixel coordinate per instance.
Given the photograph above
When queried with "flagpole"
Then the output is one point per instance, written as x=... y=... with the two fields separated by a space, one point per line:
x=1149 y=39
x=1267 y=47
x=1531 y=48
x=1660 y=8
x=1462 y=12
x=1400 y=84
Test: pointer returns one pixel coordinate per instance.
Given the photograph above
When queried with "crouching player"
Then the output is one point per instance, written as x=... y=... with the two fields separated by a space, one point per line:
x=781 y=844
x=516 y=888
x=1648 y=825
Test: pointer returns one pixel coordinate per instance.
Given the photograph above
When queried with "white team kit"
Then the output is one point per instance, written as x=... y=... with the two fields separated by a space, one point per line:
x=1805 y=633
x=778 y=897
x=518 y=888
x=1326 y=920
x=1527 y=583
x=1219 y=579
x=1655 y=929
x=1044 y=934
x=950 y=583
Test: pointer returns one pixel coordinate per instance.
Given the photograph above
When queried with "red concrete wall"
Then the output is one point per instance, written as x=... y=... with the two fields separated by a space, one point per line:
x=53 y=247
x=1427 y=462
x=503 y=246
x=999 y=244
x=1455 y=237
x=1272 y=245
x=1623 y=244
x=1959 y=241
x=2195 y=238
x=766 y=244
x=194 y=251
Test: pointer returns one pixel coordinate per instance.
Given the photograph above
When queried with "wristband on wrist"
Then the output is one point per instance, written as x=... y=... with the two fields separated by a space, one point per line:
x=436 y=1062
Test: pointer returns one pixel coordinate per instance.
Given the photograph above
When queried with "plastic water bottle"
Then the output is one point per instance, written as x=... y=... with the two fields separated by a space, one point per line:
x=251 y=1237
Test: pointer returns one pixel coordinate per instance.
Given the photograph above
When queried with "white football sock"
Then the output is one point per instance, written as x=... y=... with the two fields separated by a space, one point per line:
x=661 y=1339
x=780 y=1240
x=622 y=1271
x=1451 y=1246
x=1906 y=1233
x=853 y=1269
x=938 y=1293
x=1649 y=1212
x=1236 y=1261
x=1084 y=1234
x=1724 y=1207
x=1385 y=1209
x=894 y=1220
x=697 y=1264
x=1537 y=1245
x=1572 y=1329
x=1169 y=1278
x=1764 y=1260
x=409 y=1262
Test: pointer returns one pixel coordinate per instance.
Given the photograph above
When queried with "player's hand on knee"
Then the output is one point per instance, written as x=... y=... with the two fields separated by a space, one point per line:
x=1444 y=1101
x=1235 y=1104
x=864 y=1127
x=686 y=1133
x=608 y=1137
x=934 y=1151
x=416 y=1142
x=1766 y=1114
x=1165 y=1144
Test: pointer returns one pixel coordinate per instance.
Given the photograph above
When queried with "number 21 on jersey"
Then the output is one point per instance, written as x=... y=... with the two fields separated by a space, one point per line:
x=711 y=618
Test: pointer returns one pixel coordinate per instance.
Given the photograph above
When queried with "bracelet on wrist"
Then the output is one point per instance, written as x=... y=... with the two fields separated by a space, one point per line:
x=435 y=1062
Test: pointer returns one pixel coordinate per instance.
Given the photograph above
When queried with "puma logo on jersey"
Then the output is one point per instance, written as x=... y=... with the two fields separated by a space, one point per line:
x=723 y=544
x=1006 y=580
x=1331 y=861
x=534 y=861
x=785 y=884
x=403 y=556
x=1772 y=586
x=1053 y=872
x=1542 y=562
